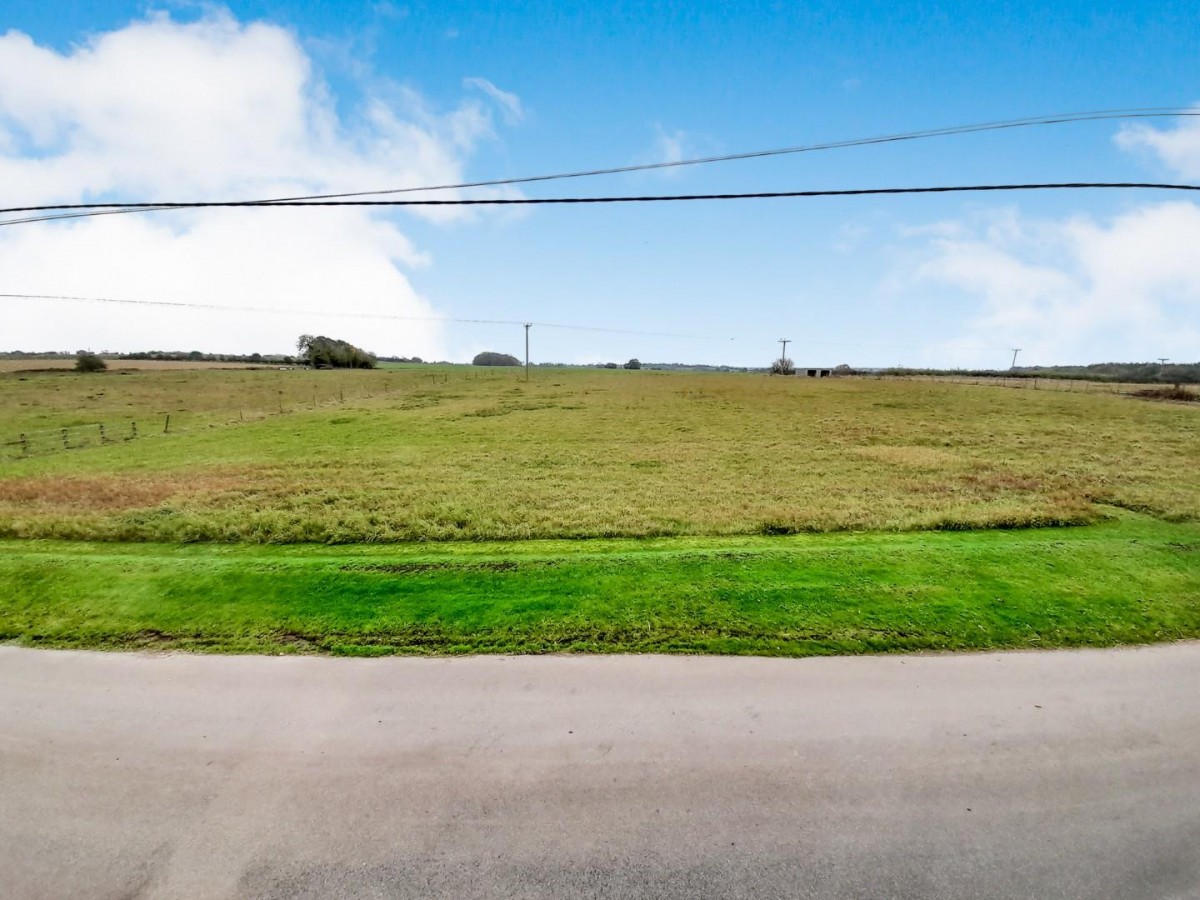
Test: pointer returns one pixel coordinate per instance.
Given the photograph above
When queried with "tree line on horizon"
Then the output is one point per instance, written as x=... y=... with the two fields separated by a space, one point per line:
x=1126 y=373
x=325 y=352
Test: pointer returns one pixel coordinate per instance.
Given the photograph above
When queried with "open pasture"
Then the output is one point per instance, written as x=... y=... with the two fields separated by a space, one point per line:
x=454 y=453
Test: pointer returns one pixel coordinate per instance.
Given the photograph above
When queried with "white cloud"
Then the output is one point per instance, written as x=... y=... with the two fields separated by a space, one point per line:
x=1177 y=148
x=510 y=104
x=948 y=228
x=669 y=145
x=213 y=109
x=1073 y=290
x=1079 y=289
x=389 y=10
x=851 y=236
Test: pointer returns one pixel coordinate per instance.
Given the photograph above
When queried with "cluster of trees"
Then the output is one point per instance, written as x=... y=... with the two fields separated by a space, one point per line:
x=322 y=352
x=492 y=358
x=89 y=362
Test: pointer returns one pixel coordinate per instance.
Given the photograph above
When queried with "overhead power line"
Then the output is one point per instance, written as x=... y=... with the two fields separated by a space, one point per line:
x=1031 y=121
x=354 y=315
x=643 y=198
x=403 y=318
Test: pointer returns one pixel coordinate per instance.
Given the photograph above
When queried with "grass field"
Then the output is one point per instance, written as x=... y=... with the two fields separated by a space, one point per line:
x=459 y=454
x=712 y=505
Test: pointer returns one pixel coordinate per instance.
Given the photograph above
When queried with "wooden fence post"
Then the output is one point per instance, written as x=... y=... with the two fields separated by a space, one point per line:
x=167 y=424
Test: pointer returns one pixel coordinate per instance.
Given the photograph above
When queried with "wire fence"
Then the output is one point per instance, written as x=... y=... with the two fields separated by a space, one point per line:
x=75 y=437
x=28 y=444
x=1069 y=385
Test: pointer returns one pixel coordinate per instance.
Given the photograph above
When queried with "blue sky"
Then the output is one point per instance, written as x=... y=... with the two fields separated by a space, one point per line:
x=355 y=96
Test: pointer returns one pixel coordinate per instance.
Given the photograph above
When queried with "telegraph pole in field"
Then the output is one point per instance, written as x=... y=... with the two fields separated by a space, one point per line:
x=527 y=324
x=1016 y=350
x=785 y=342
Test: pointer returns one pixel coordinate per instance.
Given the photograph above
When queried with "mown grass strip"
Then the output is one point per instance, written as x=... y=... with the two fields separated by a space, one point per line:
x=1131 y=581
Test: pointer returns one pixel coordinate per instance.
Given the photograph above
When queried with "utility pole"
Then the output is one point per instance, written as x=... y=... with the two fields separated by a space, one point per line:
x=527 y=324
x=785 y=342
x=1016 y=350
x=1162 y=360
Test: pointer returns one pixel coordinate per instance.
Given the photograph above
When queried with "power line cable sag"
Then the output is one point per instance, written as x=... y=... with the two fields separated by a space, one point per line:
x=1055 y=119
x=1030 y=121
x=650 y=198
x=353 y=315
x=402 y=318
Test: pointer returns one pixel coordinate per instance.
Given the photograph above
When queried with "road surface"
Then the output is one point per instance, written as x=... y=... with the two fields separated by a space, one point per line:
x=1066 y=774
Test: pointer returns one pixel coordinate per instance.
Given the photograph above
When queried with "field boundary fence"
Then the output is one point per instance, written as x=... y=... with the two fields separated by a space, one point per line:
x=40 y=442
x=71 y=437
x=1068 y=385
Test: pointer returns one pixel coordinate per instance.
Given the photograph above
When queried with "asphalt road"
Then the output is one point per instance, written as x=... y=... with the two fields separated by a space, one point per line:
x=1069 y=774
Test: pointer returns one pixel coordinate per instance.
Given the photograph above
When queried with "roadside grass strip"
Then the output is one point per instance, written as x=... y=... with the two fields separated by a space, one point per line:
x=1129 y=580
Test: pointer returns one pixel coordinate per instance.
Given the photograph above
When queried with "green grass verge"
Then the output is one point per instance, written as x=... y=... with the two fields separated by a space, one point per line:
x=1132 y=580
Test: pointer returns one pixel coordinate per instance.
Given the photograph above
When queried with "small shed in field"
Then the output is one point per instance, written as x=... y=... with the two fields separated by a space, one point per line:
x=813 y=372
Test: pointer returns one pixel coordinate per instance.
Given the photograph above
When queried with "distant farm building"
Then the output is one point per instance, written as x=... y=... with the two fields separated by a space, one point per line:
x=813 y=373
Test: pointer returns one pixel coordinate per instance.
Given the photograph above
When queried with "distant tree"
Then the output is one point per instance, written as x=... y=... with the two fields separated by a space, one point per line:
x=783 y=366
x=633 y=364
x=491 y=358
x=89 y=362
x=611 y=366
x=322 y=352
x=843 y=369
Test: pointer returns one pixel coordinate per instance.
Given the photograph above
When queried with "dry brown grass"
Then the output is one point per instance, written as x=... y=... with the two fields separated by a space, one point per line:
x=71 y=494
